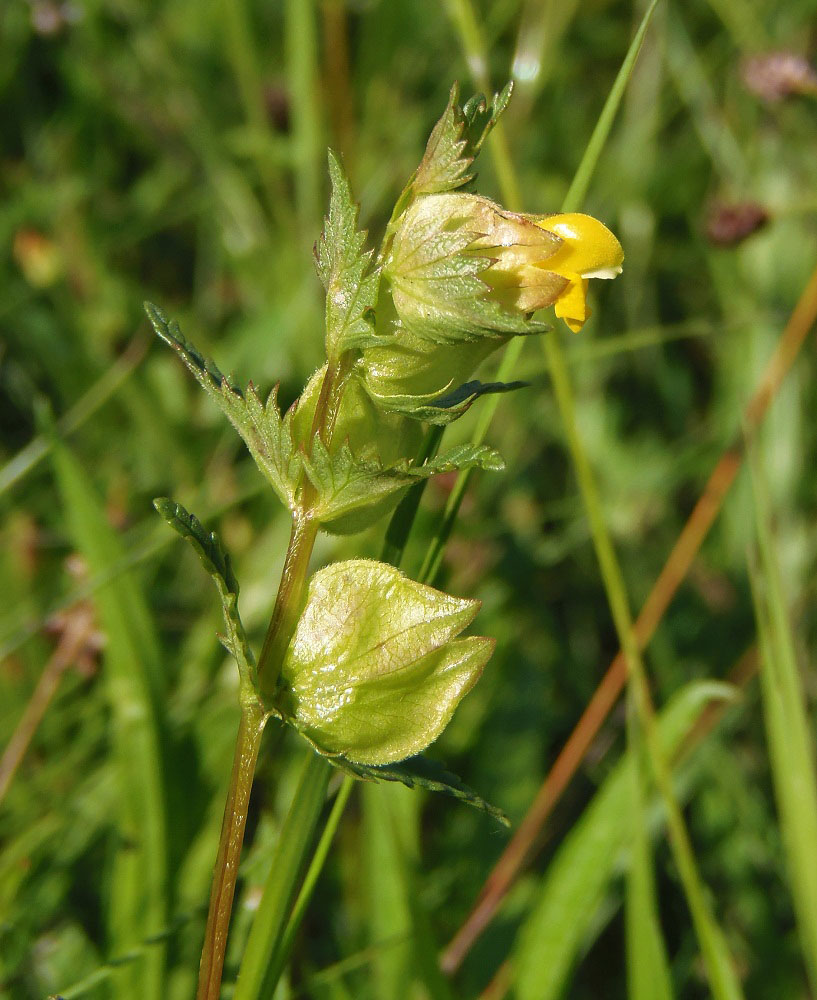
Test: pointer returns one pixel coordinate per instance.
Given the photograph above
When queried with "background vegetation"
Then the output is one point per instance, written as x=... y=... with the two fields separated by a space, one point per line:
x=176 y=151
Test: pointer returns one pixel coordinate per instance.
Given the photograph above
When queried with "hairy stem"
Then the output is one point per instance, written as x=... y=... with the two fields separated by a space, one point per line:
x=250 y=731
x=251 y=728
x=287 y=604
x=254 y=715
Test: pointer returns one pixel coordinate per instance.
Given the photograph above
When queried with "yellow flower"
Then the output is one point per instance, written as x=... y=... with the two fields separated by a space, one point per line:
x=462 y=277
x=588 y=250
x=538 y=261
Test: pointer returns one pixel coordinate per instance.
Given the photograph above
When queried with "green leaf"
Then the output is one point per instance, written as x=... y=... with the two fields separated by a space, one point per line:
x=217 y=563
x=455 y=141
x=351 y=490
x=445 y=408
x=789 y=729
x=388 y=842
x=345 y=270
x=267 y=435
x=374 y=671
x=648 y=972
x=396 y=907
x=579 y=876
x=422 y=772
x=137 y=905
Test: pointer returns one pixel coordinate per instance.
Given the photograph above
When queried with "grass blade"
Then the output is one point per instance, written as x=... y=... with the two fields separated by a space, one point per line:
x=106 y=386
x=577 y=191
x=279 y=958
x=255 y=977
x=788 y=730
x=138 y=904
x=387 y=909
x=302 y=76
x=392 y=836
x=579 y=875
x=648 y=973
x=471 y=43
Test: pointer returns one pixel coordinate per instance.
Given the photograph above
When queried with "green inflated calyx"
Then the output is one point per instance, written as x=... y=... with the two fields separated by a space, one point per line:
x=462 y=277
x=374 y=670
x=359 y=469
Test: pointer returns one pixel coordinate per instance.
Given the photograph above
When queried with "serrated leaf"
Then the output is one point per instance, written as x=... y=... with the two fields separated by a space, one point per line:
x=266 y=433
x=464 y=456
x=469 y=391
x=456 y=139
x=345 y=269
x=347 y=484
x=422 y=772
x=206 y=543
x=217 y=562
x=374 y=670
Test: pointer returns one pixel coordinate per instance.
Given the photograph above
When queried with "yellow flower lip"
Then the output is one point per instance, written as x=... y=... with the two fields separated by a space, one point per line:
x=588 y=249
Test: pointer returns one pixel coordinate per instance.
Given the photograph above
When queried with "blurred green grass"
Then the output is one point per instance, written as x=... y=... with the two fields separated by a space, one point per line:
x=176 y=152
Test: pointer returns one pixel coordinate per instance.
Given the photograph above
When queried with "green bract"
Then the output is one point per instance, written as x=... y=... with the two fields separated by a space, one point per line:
x=374 y=670
x=344 y=267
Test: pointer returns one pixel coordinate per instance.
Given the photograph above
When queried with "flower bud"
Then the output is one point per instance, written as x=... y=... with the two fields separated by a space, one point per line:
x=464 y=275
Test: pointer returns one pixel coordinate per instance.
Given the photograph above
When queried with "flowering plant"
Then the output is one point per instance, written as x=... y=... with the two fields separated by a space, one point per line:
x=363 y=662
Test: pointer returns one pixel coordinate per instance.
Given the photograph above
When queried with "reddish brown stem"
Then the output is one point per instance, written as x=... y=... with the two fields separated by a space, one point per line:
x=248 y=741
x=74 y=639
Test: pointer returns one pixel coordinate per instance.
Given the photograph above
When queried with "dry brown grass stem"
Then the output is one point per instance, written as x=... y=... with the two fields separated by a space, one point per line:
x=740 y=675
x=675 y=569
x=78 y=632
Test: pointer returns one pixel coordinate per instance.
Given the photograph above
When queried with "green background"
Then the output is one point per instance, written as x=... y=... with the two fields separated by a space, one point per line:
x=176 y=152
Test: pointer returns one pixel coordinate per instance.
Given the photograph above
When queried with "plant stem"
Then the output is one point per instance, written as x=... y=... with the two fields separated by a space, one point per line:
x=248 y=742
x=264 y=949
x=287 y=603
x=722 y=977
x=301 y=542
x=254 y=716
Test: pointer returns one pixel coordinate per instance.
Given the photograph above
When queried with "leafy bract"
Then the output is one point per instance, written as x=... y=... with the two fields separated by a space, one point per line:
x=345 y=270
x=353 y=490
x=374 y=670
x=266 y=433
x=217 y=562
x=423 y=772
x=455 y=140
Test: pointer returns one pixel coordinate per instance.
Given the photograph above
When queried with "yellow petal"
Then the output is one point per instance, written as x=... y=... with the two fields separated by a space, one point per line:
x=588 y=248
x=571 y=306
